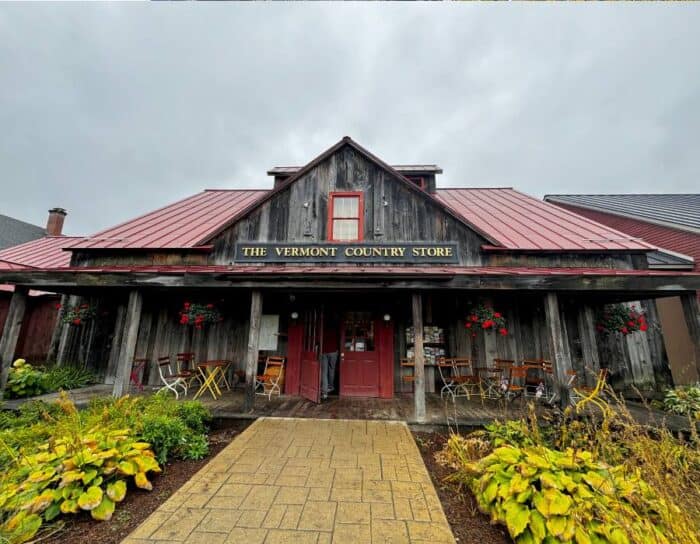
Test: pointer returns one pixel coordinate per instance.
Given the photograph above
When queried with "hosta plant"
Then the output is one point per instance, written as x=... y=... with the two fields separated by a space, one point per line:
x=546 y=496
x=83 y=471
x=24 y=380
x=683 y=400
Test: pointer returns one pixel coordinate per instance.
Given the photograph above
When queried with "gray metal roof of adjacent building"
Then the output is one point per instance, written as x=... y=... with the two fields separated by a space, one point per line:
x=14 y=232
x=679 y=210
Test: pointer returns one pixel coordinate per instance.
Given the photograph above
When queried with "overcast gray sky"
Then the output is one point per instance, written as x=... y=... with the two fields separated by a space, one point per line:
x=112 y=110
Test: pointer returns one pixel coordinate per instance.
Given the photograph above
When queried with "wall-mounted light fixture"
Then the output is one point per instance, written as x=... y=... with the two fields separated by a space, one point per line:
x=294 y=315
x=387 y=317
x=306 y=204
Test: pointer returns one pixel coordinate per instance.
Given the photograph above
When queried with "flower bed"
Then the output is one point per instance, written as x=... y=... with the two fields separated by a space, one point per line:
x=27 y=380
x=57 y=461
x=582 y=480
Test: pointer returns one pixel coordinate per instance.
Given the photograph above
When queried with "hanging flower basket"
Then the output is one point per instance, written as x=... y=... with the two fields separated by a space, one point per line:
x=618 y=318
x=199 y=315
x=485 y=319
x=78 y=314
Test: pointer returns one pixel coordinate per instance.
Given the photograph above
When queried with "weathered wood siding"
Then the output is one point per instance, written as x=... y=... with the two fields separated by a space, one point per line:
x=406 y=217
x=37 y=328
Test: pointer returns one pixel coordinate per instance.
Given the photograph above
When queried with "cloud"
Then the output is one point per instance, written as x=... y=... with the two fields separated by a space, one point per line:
x=112 y=110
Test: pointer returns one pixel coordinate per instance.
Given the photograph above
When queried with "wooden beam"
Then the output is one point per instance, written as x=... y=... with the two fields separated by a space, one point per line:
x=558 y=347
x=691 y=312
x=52 y=353
x=117 y=337
x=10 y=333
x=418 y=358
x=251 y=362
x=642 y=286
x=128 y=344
x=589 y=342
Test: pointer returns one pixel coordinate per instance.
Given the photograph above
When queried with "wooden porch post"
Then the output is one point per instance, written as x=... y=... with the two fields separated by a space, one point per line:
x=251 y=362
x=558 y=347
x=57 y=330
x=117 y=338
x=589 y=342
x=130 y=333
x=691 y=312
x=10 y=333
x=418 y=358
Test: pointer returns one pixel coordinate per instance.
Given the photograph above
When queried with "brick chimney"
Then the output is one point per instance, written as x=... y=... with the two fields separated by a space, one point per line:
x=54 y=226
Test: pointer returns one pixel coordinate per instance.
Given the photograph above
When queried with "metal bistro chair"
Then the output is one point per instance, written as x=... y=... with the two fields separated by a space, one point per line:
x=467 y=381
x=171 y=380
x=578 y=391
x=269 y=383
x=540 y=377
x=137 y=369
x=447 y=376
x=515 y=387
x=491 y=379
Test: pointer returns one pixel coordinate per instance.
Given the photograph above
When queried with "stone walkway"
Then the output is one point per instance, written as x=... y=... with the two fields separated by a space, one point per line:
x=306 y=481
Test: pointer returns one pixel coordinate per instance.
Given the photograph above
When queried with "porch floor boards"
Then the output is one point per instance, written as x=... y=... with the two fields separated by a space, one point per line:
x=400 y=408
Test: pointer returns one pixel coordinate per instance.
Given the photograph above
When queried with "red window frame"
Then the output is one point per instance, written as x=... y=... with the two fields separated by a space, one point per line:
x=360 y=214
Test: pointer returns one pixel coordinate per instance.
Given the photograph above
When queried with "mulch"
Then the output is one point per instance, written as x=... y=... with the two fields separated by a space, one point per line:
x=468 y=524
x=138 y=504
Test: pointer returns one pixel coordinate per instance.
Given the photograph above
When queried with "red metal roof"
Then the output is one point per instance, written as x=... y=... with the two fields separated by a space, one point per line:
x=681 y=241
x=46 y=252
x=521 y=222
x=179 y=225
x=371 y=270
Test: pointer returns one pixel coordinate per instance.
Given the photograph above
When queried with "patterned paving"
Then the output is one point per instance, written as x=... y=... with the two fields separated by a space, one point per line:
x=306 y=481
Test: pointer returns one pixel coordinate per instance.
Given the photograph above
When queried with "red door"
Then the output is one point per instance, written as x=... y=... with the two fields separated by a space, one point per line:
x=310 y=372
x=359 y=356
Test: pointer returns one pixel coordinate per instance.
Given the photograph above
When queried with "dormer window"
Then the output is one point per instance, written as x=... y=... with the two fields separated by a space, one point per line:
x=345 y=211
x=419 y=181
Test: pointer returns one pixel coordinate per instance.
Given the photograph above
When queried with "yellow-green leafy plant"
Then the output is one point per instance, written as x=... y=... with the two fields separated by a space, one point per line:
x=546 y=496
x=24 y=380
x=77 y=470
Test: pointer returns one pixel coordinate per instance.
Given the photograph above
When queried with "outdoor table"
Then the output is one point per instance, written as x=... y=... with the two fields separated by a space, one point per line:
x=212 y=373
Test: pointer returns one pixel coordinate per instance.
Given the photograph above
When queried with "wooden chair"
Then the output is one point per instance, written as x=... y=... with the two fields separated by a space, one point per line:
x=466 y=381
x=137 y=369
x=504 y=364
x=184 y=364
x=270 y=382
x=408 y=378
x=171 y=380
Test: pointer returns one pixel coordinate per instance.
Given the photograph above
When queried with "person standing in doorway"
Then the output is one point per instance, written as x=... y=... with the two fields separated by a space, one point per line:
x=329 y=357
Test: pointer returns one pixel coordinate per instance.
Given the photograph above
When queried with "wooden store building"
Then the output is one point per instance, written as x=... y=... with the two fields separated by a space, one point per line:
x=372 y=261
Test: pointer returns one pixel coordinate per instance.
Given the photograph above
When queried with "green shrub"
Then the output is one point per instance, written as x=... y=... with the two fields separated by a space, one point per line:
x=683 y=400
x=24 y=380
x=195 y=415
x=168 y=435
x=543 y=495
x=195 y=447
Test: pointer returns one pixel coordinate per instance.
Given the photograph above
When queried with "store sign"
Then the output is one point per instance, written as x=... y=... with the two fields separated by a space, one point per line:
x=253 y=252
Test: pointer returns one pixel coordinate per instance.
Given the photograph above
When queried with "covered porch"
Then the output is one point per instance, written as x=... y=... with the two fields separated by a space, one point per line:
x=548 y=316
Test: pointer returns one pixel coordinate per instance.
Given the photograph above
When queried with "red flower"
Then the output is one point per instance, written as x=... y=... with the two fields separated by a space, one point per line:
x=474 y=318
x=473 y=335
x=623 y=330
x=496 y=315
x=503 y=331
x=184 y=320
x=487 y=324
x=630 y=323
x=468 y=326
x=58 y=306
x=643 y=327
x=186 y=305
x=76 y=321
x=210 y=306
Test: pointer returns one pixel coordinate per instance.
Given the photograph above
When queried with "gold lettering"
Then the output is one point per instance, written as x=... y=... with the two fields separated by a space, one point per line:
x=333 y=251
x=278 y=250
x=348 y=252
x=448 y=252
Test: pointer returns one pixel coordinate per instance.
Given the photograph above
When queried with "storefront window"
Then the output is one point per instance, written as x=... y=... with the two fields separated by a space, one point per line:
x=358 y=332
x=345 y=217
